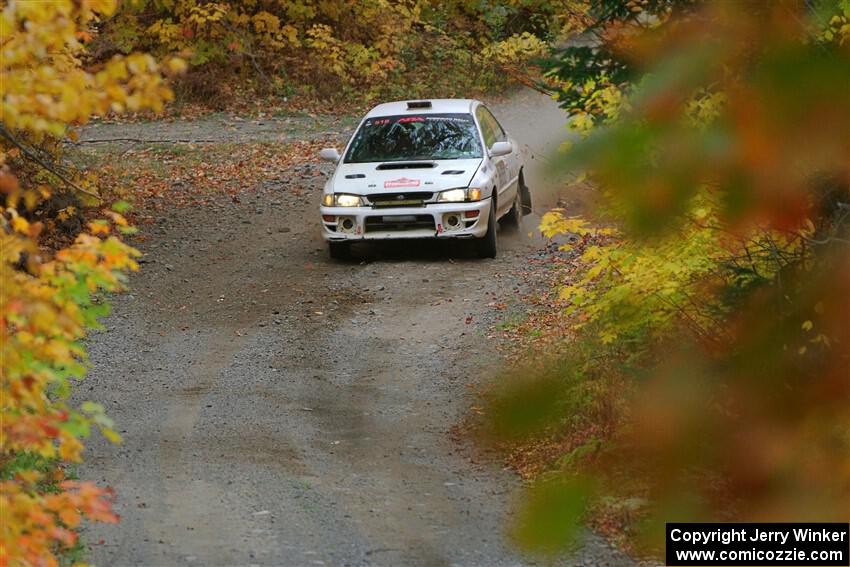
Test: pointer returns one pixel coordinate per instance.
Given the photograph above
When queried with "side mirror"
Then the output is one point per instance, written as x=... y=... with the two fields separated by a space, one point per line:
x=501 y=149
x=329 y=154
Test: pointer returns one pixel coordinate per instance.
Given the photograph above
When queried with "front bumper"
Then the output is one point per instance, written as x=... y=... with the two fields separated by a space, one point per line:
x=434 y=220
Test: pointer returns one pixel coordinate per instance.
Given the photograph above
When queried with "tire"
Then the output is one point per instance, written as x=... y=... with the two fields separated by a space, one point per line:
x=486 y=245
x=339 y=250
x=514 y=216
x=524 y=196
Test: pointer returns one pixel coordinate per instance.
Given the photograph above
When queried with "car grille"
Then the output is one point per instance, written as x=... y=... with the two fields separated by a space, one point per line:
x=379 y=200
x=398 y=223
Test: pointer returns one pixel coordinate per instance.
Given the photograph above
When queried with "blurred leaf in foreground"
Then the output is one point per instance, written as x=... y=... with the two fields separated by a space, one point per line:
x=713 y=323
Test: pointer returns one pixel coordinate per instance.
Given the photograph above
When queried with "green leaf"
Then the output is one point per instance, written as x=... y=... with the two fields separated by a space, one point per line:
x=549 y=520
x=121 y=207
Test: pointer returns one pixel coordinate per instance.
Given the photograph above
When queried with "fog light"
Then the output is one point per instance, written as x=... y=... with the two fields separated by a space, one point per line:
x=346 y=224
x=471 y=214
x=452 y=221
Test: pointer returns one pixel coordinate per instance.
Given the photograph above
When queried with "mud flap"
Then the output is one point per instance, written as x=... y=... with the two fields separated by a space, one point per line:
x=525 y=198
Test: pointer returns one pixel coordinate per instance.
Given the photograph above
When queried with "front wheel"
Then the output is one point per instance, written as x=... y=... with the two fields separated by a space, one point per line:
x=486 y=245
x=339 y=250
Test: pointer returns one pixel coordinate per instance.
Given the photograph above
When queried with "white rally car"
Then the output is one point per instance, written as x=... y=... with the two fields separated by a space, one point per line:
x=442 y=168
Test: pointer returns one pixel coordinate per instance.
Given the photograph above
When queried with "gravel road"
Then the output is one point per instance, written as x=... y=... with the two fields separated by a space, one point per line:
x=279 y=408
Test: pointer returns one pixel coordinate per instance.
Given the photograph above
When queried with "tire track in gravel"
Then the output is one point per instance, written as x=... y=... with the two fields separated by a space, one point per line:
x=181 y=485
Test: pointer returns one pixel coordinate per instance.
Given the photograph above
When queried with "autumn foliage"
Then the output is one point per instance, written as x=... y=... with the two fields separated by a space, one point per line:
x=708 y=376
x=49 y=297
x=336 y=49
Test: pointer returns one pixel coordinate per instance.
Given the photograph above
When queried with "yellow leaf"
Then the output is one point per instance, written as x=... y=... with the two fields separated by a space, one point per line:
x=177 y=65
x=20 y=225
x=111 y=435
x=98 y=227
x=607 y=336
x=70 y=449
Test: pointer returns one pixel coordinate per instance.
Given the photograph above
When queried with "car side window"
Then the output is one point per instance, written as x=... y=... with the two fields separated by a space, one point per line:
x=498 y=131
x=486 y=126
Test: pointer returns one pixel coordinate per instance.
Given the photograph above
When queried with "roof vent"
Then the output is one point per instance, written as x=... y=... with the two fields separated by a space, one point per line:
x=414 y=104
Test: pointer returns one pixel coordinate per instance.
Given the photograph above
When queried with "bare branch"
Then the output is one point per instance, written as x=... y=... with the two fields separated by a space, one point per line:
x=29 y=154
x=145 y=141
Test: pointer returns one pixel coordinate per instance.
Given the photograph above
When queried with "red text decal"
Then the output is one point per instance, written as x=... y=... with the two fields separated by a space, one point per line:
x=403 y=182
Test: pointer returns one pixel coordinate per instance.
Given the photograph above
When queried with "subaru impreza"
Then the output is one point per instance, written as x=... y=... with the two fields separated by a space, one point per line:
x=442 y=168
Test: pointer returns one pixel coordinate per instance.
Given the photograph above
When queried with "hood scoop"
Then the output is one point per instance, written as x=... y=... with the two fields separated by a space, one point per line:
x=453 y=172
x=356 y=176
x=407 y=165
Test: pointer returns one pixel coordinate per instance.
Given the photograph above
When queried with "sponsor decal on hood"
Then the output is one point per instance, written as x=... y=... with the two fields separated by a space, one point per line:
x=400 y=183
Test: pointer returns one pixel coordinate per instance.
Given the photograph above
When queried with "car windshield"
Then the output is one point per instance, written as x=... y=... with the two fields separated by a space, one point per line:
x=410 y=137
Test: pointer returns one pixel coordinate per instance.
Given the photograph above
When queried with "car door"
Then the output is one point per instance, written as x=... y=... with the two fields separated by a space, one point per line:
x=506 y=166
x=489 y=135
x=513 y=159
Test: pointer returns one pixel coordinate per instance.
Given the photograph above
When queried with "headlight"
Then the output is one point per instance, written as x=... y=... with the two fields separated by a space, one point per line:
x=341 y=200
x=459 y=195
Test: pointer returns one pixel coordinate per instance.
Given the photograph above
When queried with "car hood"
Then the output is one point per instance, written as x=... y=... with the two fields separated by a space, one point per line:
x=369 y=178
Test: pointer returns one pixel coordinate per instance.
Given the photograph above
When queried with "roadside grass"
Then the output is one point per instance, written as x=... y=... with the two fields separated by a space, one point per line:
x=289 y=113
x=172 y=150
x=160 y=175
x=144 y=172
x=74 y=555
x=49 y=469
x=506 y=325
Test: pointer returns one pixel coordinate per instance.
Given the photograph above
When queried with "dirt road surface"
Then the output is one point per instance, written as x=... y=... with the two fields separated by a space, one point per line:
x=279 y=408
